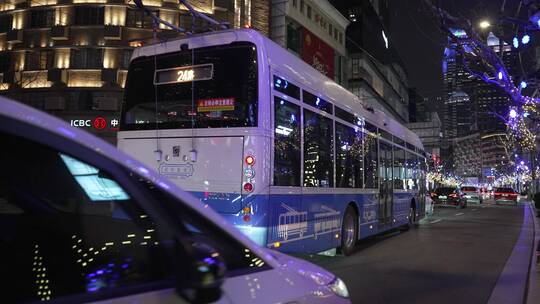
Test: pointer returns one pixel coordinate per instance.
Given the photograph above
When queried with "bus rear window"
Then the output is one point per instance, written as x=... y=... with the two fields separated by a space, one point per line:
x=212 y=87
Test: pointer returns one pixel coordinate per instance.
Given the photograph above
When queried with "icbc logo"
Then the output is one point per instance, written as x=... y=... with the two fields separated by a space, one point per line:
x=100 y=123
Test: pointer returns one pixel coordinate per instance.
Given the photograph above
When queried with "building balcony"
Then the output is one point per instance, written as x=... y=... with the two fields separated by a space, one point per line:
x=112 y=32
x=60 y=32
x=14 y=36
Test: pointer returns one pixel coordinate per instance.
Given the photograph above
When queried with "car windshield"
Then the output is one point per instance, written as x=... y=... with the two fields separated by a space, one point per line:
x=443 y=191
x=504 y=190
x=468 y=189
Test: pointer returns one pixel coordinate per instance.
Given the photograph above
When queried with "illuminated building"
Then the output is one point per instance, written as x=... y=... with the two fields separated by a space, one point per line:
x=313 y=30
x=70 y=57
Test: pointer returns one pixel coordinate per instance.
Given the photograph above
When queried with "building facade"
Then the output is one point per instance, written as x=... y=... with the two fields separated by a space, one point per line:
x=314 y=31
x=375 y=71
x=430 y=132
x=70 y=57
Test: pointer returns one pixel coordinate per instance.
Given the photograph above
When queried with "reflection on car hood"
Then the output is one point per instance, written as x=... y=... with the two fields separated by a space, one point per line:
x=305 y=269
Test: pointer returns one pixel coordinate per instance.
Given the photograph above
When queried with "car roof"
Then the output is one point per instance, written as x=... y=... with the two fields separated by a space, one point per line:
x=42 y=120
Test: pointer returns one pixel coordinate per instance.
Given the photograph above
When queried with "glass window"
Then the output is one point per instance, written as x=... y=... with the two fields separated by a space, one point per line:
x=412 y=172
x=139 y=18
x=355 y=67
x=330 y=29
x=41 y=18
x=317 y=102
x=6 y=23
x=346 y=115
x=294 y=37
x=126 y=58
x=39 y=60
x=69 y=229
x=371 y=156
x=386 y=135
x=318 y=151
x=349 y=157
x=370 y=127
x=286 y=143
x=86 y=58
x=309 y=12
x=399 y=168
x=85 y=15
x=5 y=62
x=302 y=4
x=226 y=97
x=285 y=87
x=295 y=3
x=399 y=141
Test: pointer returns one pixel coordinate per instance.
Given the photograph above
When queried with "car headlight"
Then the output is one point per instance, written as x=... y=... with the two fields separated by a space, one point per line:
x=339 y=288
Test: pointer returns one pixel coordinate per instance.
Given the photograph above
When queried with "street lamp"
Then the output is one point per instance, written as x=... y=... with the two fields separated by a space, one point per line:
x=484 y=24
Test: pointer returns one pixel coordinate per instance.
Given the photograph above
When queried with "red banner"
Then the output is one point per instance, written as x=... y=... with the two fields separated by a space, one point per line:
x=318 y=54
x=215 y=104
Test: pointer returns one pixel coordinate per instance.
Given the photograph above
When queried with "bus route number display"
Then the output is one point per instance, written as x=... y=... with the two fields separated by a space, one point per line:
x=184 y=74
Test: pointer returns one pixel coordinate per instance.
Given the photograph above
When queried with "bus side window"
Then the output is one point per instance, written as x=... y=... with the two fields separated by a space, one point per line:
x=349 y=160
x=371 y=156
x=318 y=151
x=286 y=143
x=399 y=168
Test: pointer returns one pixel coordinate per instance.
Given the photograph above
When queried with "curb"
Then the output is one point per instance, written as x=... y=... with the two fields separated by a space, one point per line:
x=533 y=286
x=512 y=285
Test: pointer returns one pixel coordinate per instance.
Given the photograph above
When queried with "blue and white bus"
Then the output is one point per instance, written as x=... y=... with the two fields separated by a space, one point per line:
x=294 y=160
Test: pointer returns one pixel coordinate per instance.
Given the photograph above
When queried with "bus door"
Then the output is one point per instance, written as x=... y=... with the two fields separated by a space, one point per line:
x=386 y=190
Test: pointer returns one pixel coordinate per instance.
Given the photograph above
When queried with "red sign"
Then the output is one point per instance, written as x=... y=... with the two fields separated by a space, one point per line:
x=215 y=104
x=318 y=54
x=100 y=123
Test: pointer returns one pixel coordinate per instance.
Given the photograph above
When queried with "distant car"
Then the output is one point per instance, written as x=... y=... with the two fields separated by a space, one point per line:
x=472 y=194
x=505 y=195
x=83 y=222
x=448 y=196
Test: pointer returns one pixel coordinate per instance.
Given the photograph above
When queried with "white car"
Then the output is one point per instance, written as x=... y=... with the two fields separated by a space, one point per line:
x=83 y=222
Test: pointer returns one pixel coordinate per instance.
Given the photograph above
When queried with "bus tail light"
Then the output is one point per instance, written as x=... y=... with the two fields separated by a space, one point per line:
x=248 y=187
x=250 y=160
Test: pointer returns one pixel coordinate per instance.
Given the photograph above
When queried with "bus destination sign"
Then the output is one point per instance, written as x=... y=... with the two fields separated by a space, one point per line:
x=184 y=74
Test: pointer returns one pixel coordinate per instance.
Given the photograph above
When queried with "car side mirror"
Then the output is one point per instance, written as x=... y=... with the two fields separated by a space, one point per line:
x=206 y=274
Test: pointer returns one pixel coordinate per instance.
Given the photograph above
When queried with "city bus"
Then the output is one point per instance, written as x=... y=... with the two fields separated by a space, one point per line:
x=291 y=158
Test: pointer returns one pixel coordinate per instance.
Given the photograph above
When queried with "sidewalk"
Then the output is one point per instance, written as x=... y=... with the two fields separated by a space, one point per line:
x=533 y=288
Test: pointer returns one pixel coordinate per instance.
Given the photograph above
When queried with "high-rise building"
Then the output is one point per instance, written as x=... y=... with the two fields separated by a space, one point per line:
x=472 y=106
x=376 y=73
x=70 y=57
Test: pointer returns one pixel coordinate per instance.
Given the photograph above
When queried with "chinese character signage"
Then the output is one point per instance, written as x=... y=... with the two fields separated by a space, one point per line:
x=318 y=54
x=215 y=104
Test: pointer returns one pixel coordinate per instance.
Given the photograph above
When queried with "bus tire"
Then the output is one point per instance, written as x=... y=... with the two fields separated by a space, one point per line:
x=349 y=231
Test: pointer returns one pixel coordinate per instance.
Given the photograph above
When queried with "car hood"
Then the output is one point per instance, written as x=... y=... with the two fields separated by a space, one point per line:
x=303 y=268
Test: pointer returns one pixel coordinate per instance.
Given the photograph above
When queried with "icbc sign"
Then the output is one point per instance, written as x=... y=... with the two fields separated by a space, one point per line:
x=98 y=123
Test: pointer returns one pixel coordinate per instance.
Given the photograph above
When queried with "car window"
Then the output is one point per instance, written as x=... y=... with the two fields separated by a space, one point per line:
x=238 y=258
x=468 y=189
x=68 y=229
x=504 y=190
x=444 y=190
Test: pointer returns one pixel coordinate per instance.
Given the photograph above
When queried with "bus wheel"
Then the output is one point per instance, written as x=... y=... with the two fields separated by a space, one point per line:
x=349 y=231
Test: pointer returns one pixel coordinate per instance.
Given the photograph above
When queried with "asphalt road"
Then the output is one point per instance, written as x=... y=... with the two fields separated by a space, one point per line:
x=454 y=256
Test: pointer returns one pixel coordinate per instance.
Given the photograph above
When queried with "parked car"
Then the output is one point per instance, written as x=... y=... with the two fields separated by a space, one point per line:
x=472 y=194
x=81 y=221
x=448 y=196
x=503 y=194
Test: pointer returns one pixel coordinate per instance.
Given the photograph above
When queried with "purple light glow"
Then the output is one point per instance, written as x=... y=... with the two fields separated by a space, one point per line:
x=513 y=113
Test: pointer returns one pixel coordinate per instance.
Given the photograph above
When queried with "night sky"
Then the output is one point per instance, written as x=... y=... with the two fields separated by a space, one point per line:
x=420 y=43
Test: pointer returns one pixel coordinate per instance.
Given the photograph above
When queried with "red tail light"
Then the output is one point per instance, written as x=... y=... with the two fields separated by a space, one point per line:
x=248 y=187
x=250 y=160
x=454 y=195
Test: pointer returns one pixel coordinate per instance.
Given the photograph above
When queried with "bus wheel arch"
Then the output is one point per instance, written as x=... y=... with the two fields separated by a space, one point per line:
x=349 y=229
